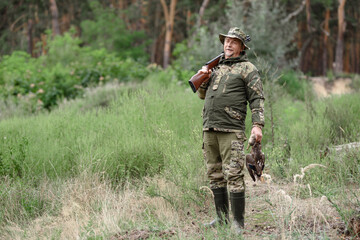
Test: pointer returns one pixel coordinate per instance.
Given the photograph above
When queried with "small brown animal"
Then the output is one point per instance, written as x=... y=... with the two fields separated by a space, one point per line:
x=255 y=161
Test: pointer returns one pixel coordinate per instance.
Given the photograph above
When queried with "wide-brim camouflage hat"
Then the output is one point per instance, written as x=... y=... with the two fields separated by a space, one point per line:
x=234 y=33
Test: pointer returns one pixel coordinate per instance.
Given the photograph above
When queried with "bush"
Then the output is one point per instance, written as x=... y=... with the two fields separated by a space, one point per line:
x=61 y=49
x=108 y=31
x=128 y=139
x=293 y=84
x=343 y=115
x=260 y=19
x=36 y=84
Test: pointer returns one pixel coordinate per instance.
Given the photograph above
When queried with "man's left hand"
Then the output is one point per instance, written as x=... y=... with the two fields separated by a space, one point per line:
x=258 y=133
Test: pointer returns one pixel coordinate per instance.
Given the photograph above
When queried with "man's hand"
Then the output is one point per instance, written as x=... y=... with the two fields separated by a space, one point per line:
x=205 y=71
x=258 y=133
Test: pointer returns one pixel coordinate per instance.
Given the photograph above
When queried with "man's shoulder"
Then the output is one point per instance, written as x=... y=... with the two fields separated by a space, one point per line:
x=245 y=68
x=248 y=66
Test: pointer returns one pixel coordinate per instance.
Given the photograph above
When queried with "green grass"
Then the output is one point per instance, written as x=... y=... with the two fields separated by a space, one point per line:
x=135 y=133
x=130 y=138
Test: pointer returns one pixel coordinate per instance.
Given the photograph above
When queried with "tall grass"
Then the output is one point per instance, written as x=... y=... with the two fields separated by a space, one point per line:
x=141 y=131
x=130 y=138
x=79 y=161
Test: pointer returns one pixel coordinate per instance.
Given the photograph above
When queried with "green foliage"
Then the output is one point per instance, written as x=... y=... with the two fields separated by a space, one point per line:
x=326 y=3
x=126 y=141
x=63 y=73
x=194 y=53
x=61 y=49
x=129 y=133
x=342 y=114
x=21 y=200
x=16 y=15
x=294 y=85
x=301 y=140
x=109 y=31
x=12 y=159
x=260 y=20
x=355 y=84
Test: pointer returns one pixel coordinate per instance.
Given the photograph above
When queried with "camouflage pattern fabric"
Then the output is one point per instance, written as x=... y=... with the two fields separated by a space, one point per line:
x=234 y=33
x=232 y=85
x=225 y=159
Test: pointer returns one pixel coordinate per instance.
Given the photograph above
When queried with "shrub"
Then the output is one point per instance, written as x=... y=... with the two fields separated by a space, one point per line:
x=260 y=19
x=40 y=83
x=293 y=84
x=109 y=31
x=343 y=115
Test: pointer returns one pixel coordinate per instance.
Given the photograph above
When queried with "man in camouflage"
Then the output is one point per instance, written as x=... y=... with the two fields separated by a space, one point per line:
x=233 y=84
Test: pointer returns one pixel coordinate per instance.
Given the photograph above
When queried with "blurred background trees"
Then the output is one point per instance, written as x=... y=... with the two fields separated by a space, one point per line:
x=314 y=36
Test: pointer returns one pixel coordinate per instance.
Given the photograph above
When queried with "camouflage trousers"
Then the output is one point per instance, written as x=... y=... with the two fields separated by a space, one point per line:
x=225 y=159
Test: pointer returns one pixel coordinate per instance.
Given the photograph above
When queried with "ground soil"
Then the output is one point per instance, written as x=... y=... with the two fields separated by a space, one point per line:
x=323 y=87
x=274 y=210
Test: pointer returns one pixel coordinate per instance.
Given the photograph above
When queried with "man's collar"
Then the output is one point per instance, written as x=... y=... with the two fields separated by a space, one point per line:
x=241 y=58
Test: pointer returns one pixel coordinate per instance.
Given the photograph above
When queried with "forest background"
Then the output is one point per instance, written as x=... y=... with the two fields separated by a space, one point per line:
x=100 y=134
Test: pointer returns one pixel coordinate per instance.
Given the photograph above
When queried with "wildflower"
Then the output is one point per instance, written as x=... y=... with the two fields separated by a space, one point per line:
x=40 y=91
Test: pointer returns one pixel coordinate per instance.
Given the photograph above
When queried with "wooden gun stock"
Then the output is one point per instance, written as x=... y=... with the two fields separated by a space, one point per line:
x=196 y=80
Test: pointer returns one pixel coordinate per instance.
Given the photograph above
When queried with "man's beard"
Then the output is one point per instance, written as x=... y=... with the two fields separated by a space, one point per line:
x=229 y=54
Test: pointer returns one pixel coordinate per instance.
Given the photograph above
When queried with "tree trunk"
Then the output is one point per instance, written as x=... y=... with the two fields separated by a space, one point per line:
x=348 y=56
x=30 y=37
x=54 y=18
x=325 y=42
x=308 y=16
x=340 y=38
x=357 y=52
x=169 y=14
x=201 y=12
x=155 y=43
x=44 y=43
x=121 y=4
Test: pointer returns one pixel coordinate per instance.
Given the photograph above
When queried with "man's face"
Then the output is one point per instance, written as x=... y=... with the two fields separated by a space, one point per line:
x=232 y=47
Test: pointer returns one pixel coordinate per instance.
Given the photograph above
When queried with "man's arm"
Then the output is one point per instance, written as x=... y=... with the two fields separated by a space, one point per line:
x=203 y=87
x=255 y=96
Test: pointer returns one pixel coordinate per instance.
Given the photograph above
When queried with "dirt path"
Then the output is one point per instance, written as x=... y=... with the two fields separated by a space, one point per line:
x=277 y=211
x=324 y=88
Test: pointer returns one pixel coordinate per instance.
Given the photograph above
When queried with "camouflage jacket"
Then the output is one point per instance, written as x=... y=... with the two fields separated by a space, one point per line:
x=233 y=83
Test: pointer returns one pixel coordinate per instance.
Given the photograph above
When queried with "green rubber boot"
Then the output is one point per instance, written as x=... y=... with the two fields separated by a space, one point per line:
x=238 y=210
x=221 y=200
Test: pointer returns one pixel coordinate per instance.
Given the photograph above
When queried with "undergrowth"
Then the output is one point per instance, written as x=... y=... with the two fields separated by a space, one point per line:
x=149 y=136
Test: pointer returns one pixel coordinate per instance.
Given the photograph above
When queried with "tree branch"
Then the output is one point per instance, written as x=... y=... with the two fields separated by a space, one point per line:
x=201 y=12
x=166 y=11
x=294 y=13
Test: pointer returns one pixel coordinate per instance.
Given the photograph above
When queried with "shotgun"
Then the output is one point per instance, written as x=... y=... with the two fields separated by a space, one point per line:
x=196 y=80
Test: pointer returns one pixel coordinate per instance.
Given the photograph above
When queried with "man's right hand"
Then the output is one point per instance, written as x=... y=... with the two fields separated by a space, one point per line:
x=206 y=71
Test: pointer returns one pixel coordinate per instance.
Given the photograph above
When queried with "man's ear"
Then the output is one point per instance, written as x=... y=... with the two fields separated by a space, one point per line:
x=242 y=47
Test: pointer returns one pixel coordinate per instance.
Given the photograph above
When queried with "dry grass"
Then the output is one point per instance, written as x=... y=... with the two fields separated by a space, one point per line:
x=153 y=208
x=288 y=215
x=91 y=207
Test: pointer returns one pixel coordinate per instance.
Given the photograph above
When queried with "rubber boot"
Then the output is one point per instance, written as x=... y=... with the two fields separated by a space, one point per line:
x=238 y=210
x=221 y=200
